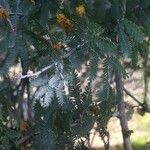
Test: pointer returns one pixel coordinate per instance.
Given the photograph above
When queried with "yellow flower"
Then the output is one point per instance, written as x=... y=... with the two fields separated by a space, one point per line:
x=57 y=45
x=64 y=22
x=80 y=10
x=3 y=13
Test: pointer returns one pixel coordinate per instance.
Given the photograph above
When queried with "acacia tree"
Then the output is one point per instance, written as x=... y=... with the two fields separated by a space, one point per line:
x=52 y=103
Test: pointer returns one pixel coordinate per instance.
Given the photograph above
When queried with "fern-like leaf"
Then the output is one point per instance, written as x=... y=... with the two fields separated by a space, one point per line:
x=106 y=45
x=123 y=41
x=116 y=65
x=133 y=31
x=106 y=78
x=143 y=17
x=44 y=140
x=144 y=3
x=87 y=96
x=93 y=66
x=95 y=29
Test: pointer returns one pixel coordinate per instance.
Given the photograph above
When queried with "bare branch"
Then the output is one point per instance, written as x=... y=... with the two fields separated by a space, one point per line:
x=128 y=93
x=36 y=74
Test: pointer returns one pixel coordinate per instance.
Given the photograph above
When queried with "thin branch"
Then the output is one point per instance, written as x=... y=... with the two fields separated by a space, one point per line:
x=10 y=24
x=20 y=92
x=30 y=101
x=36 y=74
x=18 y=14
x=25 y=138
x=146 y=86
x=22 y=140
x=135 y=99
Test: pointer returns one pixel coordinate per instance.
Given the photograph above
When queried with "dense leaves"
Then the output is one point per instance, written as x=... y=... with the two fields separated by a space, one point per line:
x=69 y=45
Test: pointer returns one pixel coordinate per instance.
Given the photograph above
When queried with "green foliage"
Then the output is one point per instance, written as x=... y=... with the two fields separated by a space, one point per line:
x=7 y=137
x=141 y=143
x=133 y=31
x=64 y=123
x=107 y=46
x=124 y=41
x=68 y=50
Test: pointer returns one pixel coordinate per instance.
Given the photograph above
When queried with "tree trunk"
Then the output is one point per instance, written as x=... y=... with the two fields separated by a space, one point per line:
x=122 y=115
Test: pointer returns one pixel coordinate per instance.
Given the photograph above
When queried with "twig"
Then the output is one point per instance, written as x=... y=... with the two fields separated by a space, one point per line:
x=135 y=99
x=36 y=74
x=30 y=101
x=10 y=24
x=61 y=4
x=18 y=14
x=20 y=92
x=22 y=140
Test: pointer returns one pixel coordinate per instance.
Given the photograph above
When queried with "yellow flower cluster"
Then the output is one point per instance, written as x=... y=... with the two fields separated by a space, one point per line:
x=80 y=10
x=3 y=13
x=57 y=45
x=64 y=22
